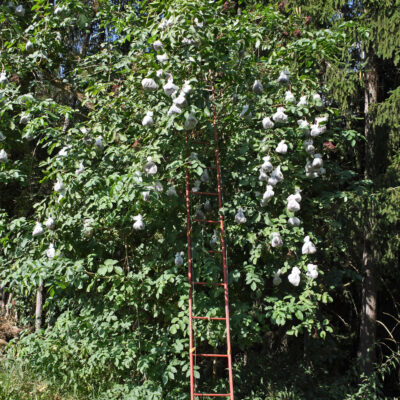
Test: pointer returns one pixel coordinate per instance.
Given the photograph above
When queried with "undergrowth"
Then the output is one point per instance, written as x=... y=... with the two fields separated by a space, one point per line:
x=18 y=383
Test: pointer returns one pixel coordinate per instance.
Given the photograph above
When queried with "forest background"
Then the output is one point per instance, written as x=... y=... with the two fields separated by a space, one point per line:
x=92 y=308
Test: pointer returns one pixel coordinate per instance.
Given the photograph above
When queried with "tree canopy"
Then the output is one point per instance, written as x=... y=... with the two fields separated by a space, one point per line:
x=96 y=99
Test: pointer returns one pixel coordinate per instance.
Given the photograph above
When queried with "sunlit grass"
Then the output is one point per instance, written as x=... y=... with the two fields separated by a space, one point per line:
x=18 y=383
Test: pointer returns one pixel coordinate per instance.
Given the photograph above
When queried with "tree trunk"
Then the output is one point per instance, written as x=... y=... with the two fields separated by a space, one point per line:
x=9 y=305
x=369 y=256
x=2 y=301
x=39 y=307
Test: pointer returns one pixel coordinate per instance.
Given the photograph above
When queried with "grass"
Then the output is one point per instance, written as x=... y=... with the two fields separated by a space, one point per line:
x=18 y=383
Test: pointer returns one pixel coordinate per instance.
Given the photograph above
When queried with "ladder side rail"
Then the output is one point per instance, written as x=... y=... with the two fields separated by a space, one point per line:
x=223 y=247
x=190 y=274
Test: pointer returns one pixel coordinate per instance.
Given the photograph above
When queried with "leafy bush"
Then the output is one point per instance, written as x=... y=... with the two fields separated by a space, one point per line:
x=116 y=304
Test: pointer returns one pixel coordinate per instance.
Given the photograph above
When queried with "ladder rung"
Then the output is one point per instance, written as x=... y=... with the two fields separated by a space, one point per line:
x=211 y=318
x=201 y=141
x=214 y=251
x=206 y=221
x=208 y=283
x=209 y=355
x=204 y=193
x=212 y=395
x=211 y=167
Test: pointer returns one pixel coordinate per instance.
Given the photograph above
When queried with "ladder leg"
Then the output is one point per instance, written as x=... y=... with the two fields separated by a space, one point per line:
x=224 y=260
x=190 y=277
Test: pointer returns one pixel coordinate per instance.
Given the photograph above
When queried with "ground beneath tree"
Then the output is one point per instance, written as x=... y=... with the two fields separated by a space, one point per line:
x=8 y=331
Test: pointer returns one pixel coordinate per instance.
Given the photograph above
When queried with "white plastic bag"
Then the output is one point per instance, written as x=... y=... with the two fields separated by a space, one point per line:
x=99 y=142
x=199 y=214
x=3 y=156
x=205 y=177
x=20 y=10
x=277 y=173
x=280 y=115
x=37 y=230
x=158 y=45
x=312 y=271
x=283 y=77
x=308 y=246
x=303 y=101
x=294 y=221
x=148 y=119
x=294 y=276
x=297 y=195
x=304 y=125
x=239 y=217
x=158 y=187
x=137 y=177
x=317 y=162
x=170 y=88
x=58 y=11
x=146 y=195
x=24 y=119
x=276 y=240
x=257 y=87
x=276 y=281
x=198 y=23
x=162 y=58
x=318 y=101
x=244 y=110
x=88 y=227
x=51 y=252
x=171 y=192
x=263 y=177
x=282 y=147
x=214 y=240
x=193 y=156
x=149 y=84
x=3 y=78
x=29 y=46
x=190 y=122
x=267 y=123
x=293 y=205
x=50 y=223
x=289 y=97
x=268 y=195
x=267 y=166
x=196 y=187
x=321 y=120
x=187 y=88
x=309 y=170
x=180 y=101
x=272 y=181
x=80 y=170
x=316 y=97
x=59 y=186
x=309 y=146
x=174 y=110
x=179 y=259
x=315 y=130
x=139 y=224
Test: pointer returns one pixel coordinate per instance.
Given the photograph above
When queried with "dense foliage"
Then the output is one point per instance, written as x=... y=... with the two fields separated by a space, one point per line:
x=84 y=163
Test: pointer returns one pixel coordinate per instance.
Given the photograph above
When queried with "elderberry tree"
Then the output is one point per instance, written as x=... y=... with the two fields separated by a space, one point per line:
x=105 y=227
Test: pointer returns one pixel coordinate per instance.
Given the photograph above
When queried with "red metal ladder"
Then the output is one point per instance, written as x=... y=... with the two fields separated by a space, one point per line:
x=192 y=318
